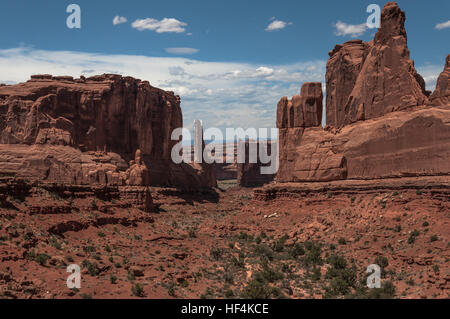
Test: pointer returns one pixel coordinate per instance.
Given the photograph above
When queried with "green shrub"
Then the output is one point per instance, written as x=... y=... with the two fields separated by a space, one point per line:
x=216 y=253
x=259 y=289
x=264 y=251
x=138 y=290
x=387 y=291
x=171 y=290
x=313 y=254
x=413 y=236
x=92 y=268
x=42 y=259
x=268 y=274
x=316 y=274
x=278 y=245
x=342 y=277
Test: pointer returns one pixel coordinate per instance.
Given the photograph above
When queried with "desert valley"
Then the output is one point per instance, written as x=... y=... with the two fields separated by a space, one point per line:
x=86 y=178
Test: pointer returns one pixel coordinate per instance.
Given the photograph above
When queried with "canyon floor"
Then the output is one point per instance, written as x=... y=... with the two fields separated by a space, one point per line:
x=289 y=241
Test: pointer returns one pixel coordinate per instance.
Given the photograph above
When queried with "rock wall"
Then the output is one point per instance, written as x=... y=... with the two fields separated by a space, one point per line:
x=343 y=68
x=304 y=110
x=400 y=144
x=369 y=80
x=380 y=123
x=66 y=121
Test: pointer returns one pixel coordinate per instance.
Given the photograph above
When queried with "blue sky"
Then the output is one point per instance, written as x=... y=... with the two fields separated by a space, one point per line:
x=228 y=65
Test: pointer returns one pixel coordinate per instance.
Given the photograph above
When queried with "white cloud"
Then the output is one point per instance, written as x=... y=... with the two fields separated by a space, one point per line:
x=443 y=25
x=222 y=94
x=119 y=20
x=276 y=25
x=354 y=30
x=160 y=26
x=176 y=70
x=181 y=50
x=430 y=74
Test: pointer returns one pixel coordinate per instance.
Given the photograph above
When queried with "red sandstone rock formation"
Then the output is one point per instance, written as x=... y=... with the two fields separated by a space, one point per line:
x=108 y=112
x=378 y=124
x=368 y=80
x=137 y=174
x=304 y=110
x=293 y=117
x=84 y=131
x=441 y=95
x=400 y=144
x=343 y=69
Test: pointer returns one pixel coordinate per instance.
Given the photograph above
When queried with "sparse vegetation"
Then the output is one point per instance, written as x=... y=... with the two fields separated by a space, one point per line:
x=138 y=290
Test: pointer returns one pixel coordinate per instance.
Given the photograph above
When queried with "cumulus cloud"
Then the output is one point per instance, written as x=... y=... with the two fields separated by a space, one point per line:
x=276 y=25
x=181 y=50
x=119 y=20
x=222 y=94
x=160 y=26
x=354 y=30
x=443 y=25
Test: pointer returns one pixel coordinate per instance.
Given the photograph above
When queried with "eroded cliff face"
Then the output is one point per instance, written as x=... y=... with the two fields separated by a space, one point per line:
x=109 y=112
x=304 y=110
x=294 y=116
x=369 y=80
x=91 y=131
x=343 y=68
x=400 y=144
x=379 y=120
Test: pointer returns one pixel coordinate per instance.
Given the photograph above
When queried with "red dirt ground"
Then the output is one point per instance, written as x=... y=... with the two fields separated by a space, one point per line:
x=219 y=244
